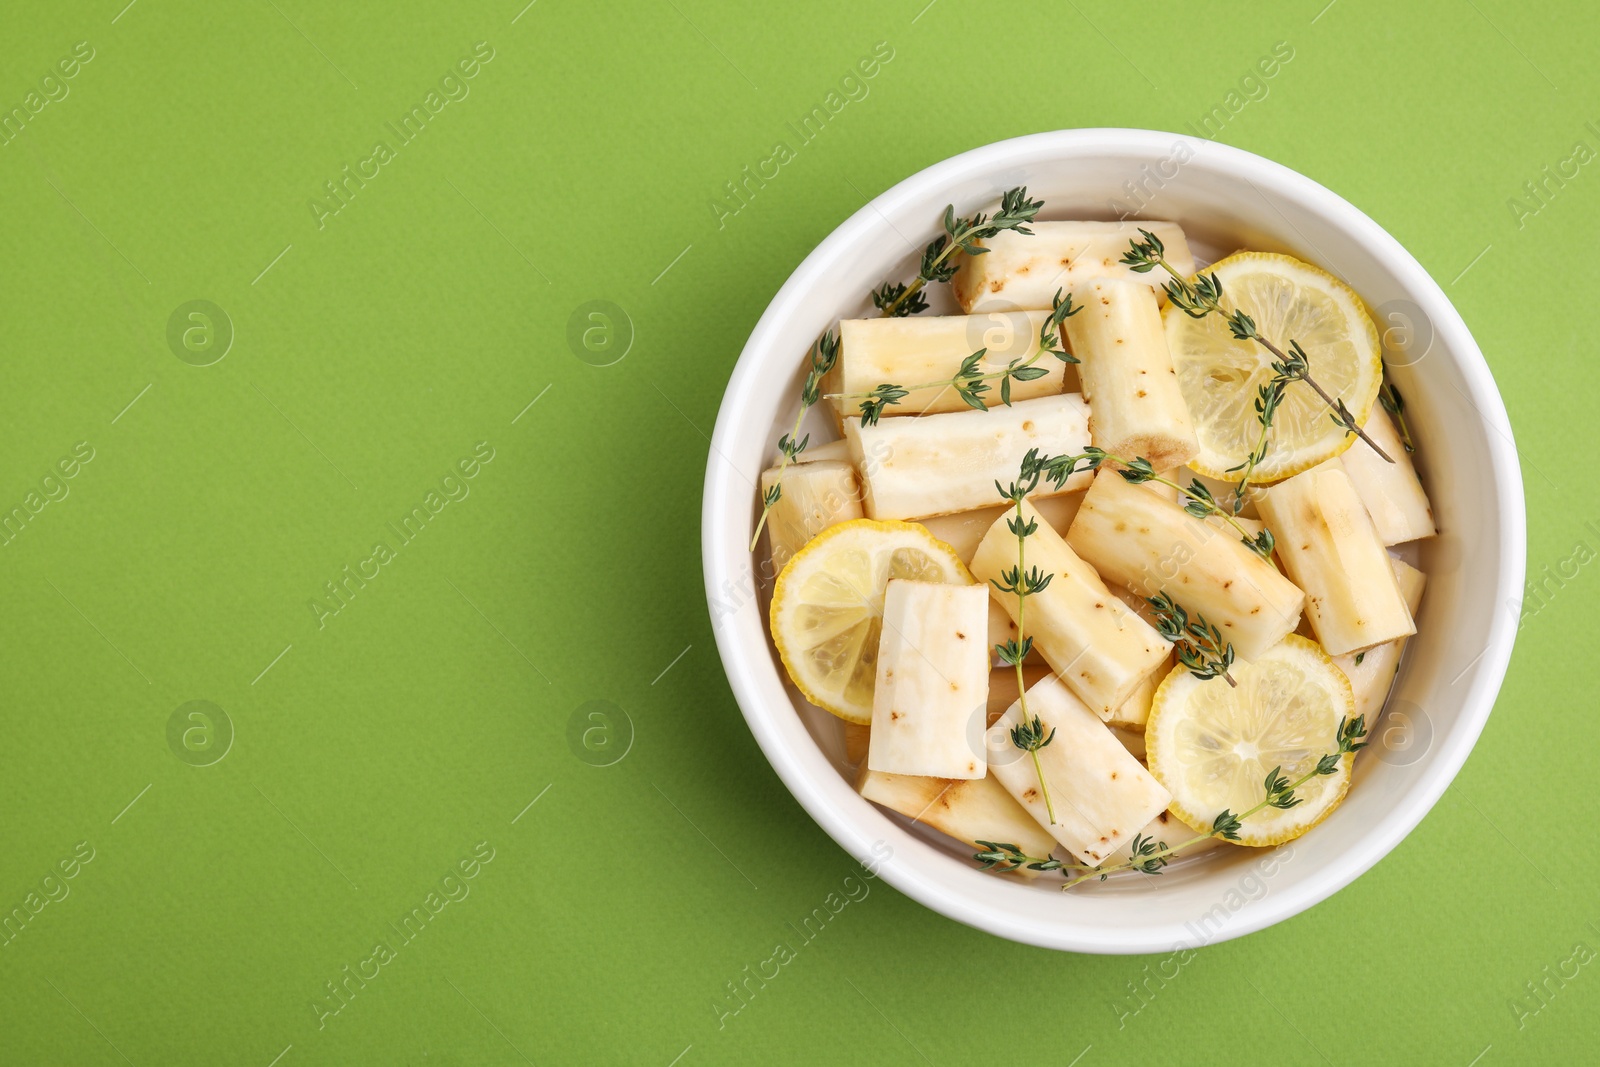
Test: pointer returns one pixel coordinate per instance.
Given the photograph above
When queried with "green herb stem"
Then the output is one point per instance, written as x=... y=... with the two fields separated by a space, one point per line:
x=1203 y=297
x=824 y=353
x=1279 y=793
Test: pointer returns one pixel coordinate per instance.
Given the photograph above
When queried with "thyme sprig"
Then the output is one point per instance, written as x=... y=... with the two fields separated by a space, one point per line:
x=1395 y=405
x=1199 y=644
x=824 y=353
x=1006 y=857
x=1203 y=296
x=970 y=380
x=1277 y=792
x=896 y=299
x=1023 y=581
x=1268 y=399
x=1201 y=503
x=1061 y=310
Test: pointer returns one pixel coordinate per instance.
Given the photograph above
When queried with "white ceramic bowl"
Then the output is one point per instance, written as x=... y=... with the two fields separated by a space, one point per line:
x=1225 y=199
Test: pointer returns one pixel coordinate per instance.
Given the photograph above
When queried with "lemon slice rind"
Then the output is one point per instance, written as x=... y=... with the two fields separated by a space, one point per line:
x=1212 y=746
x=827 y=606
x=1220 y=375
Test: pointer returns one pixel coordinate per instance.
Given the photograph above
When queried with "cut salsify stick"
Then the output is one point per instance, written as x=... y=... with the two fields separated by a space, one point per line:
x=1102 y=796
x=1129 y=718
x=932 y=687
x=1022 y=272
x=939 y=464
x=912 y=352
x=1134 y=712
x=1003 y=690
x=839 y=449
x=965 y=530
x=816 y=495
x=1328 y=545
x=1135 y=406
x=1101 y=650
x=1135 y=538
x=1392 y=492
x=970 y=810
x=1372 y=677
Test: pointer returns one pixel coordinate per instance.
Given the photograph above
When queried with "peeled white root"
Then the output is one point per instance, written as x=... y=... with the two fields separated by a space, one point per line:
x=1328 y=545
x=1102 y=796
x=1135 y=406
x=1137 y=539
x=965 y=530
x=1374 y=675
x=1101 y=650
x=1003 y=628
x=1253 y=527
x=839 y=449
x=1132 y=714
x=1129 y=716
x=932 y=687
x=1003 y=690
x=1131 y=739
x=1392 y=492
x=939 y=464
x=1134 y=711
x=1021 y=272
x=815 y=496
x=970 y=810
x=915 y=351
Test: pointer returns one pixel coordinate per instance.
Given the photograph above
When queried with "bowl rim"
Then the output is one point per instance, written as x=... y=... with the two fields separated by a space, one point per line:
x=723 y=547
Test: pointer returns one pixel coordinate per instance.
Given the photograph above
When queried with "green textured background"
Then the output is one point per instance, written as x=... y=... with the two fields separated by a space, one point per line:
x=374 y=752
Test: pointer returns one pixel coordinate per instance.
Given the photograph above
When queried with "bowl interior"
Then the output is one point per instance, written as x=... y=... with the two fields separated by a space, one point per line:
x=1225 y=200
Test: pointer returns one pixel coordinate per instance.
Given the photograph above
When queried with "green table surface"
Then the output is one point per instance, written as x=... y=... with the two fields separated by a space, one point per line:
x=398 y=784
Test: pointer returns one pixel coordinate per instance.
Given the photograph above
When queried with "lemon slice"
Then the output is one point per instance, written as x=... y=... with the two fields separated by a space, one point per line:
x=827 y=607
x=1219 y=375
x=1213 y=746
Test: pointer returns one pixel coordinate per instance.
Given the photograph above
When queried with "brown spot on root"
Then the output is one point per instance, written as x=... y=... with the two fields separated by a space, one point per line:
x=894 y=716
x=1030 y=794
x=1140 y=394
x=1113 y=776
x=996 y=285
x=1027 y=425
x=960 y=636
